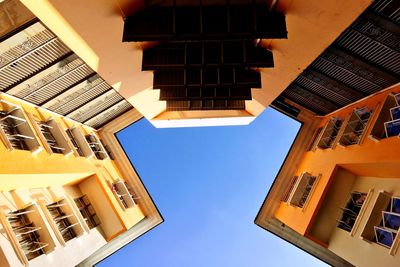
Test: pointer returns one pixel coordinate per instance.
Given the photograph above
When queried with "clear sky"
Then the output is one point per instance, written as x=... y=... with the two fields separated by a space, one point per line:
x=209 y=184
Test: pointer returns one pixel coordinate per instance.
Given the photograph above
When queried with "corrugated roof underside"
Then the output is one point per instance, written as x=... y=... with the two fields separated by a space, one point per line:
x=363 y=60
x=36 y=66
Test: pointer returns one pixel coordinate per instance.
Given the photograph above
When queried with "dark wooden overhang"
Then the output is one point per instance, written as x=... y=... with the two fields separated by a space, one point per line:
x=213 y=22
x=243 y=54
x=207 y=77
x=205 y=53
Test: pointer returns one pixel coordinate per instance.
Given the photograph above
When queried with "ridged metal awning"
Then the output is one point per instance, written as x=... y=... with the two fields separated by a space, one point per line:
x=363 y=60
x=36 y=66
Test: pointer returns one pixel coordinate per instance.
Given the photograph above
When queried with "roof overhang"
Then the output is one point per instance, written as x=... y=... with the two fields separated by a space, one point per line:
x=93 y=30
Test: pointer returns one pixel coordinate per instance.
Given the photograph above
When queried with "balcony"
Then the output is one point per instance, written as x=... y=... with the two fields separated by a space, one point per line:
x=388 y=122
x=123 y=193
x=96 y=146
x=329 y=133
x=53 y=137
x=87 y=211
x=355 y=127
x=27 y=233
x=15 y=131
x=301 y=189
x=62 y=219
x=356 y=216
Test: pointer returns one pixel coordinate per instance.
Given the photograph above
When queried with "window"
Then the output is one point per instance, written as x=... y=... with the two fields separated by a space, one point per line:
x=395 y=204
x=15 y=132
x=395 y=113
x=123 y=193
x=313 y=144
x=47 y=132
x=388 y=122
x=391 y=220
x=109 y=152
x=290 y=189
x=392 y=128
x=351 y=211
x=387 y=230
x=87 y=211
x=329 y=133
x=96 y=146
x=384 y=237
x=81 y=144
x=26 y=233
x=9 y=125
x=74 y=142
x=52 y=135
x=62 y=220
x=130 y=192
x=301 y=191
x=355 y=127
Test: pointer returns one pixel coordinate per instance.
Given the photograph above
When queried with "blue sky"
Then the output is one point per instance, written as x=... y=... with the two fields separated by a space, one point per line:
x=209 y=184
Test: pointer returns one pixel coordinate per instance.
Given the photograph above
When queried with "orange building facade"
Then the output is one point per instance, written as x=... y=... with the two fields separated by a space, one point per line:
x=337 y=194
x=343 y=193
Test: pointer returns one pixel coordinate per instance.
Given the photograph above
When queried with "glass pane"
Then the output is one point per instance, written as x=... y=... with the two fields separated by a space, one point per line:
x=391 y=220
x=395 y=112
x=392 y=128
x=358 y=198
x=384 y=237
x=396 y=205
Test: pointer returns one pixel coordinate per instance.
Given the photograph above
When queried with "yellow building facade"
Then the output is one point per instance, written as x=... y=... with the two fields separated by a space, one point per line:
x=69 y=194
x=63 y=197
